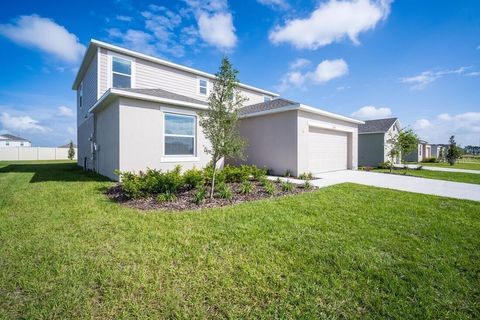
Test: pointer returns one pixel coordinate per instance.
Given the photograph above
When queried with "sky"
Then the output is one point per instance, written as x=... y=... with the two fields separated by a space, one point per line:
x=415 y=60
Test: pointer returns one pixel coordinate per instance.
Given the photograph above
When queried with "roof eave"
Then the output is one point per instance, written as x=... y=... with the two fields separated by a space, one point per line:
x=115 y=93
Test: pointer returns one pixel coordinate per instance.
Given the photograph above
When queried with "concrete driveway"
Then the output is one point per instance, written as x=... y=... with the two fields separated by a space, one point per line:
x=404 y=183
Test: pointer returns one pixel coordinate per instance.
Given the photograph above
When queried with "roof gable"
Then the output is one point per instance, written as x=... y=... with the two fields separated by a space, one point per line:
x=377 y=125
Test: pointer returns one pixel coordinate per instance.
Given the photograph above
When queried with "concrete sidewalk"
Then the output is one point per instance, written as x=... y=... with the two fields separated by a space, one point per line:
x=426 y=167
x=399 y=182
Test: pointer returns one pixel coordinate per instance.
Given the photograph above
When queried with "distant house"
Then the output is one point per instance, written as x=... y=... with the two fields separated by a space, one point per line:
x=424 y=151
x=9 y=140
x=437 y=149
x=373 y=141
x=67 y=146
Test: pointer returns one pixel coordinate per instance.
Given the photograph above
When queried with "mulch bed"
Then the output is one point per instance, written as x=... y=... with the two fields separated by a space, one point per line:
x=185 y=198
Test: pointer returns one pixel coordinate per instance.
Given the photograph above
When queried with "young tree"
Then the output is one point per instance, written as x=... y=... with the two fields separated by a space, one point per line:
x=393 y=150
x=453 y=152
x=220 y=121
x=407 y=142
x=71 y=151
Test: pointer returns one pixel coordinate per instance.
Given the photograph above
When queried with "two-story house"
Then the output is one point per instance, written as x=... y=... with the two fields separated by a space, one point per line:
x=136 y=111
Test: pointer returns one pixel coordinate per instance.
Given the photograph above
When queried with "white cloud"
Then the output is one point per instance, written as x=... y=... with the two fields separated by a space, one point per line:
x=280 y=4
x=135 y=40
x=464 y=126
x=46 y=35
x=325 y=71
x=65 y=111
x=217 y=29
x=330 y=69
x=20 y=123
x=421 y=124
x=124 y=18
x=371 y=112
x=423 y=79
x=299 y=63
x=331 y=22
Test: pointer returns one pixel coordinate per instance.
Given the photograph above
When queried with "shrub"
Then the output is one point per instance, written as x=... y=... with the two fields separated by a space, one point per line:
x=258 y=173
x=199 y=195
x=288 y=173
x=269 y=187
x=166 y=197
x=385 y=165
x=193 y=177
x=173 y=180
x=208 y=174
x=287 y=186
x=246 y=187
x=307 y=185
x=224 y=191
x=430 y=160
x=306 y=176
x=236 y=174
x=152 y=181
x=131 y=185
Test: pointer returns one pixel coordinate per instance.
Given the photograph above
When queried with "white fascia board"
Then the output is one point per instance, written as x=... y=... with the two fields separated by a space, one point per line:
x=170 y=64
x=301 y=107
x=373 y=132
x=328 y=114
x=146 y=97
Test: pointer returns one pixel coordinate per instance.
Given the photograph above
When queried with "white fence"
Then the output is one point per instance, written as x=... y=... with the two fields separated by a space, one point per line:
x=34 y=153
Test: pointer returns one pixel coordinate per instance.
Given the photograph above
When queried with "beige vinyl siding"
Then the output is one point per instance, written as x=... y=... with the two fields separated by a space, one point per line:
x=150 y=75
x=103 y=71
x=90 y=87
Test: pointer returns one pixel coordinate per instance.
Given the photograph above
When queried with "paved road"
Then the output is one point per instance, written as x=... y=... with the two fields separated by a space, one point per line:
x=404 y=183
x=426 y=167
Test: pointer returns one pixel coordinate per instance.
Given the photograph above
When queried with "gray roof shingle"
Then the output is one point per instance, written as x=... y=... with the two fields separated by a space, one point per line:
x=265 y=106
x=378 y=125
x=12 y=137
x=165 y=94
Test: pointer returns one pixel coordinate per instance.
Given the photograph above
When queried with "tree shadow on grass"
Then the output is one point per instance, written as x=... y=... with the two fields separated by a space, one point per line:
x=54 y=172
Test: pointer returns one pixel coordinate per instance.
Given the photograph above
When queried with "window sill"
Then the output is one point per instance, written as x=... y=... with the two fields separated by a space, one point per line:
x=179 y=159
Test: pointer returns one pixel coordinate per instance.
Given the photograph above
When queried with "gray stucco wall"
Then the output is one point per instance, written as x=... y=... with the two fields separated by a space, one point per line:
x=84 y=132
x=305 y=119
x=272 y=141
x=371 y=149
x=107 y=140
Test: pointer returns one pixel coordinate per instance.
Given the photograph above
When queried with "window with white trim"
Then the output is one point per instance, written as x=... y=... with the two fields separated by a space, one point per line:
x=121 y=73
x=80 y=95
x=202 y=86
x=266 y=98
x=179 y=134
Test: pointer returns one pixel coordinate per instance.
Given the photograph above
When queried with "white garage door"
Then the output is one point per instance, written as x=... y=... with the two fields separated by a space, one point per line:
x=327 y=150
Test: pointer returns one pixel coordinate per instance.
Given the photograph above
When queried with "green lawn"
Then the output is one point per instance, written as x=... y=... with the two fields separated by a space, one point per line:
x=347 y=251
x=460 y=165
x=439 y=175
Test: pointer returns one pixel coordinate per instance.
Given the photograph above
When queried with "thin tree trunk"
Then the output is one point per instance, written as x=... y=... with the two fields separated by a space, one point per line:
x=214 y=163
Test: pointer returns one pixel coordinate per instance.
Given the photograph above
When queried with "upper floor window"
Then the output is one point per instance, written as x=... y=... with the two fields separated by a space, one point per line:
x=121 y=73
x=179 y=134
x=266 y=98
x=202 y=86
x=80 y=95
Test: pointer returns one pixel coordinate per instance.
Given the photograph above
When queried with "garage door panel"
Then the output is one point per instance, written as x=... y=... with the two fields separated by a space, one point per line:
x=327 y=150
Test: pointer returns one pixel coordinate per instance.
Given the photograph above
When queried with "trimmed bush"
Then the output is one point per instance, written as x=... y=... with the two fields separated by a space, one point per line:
x=132 y=185
x=306 y=176
x=269 y=187
x=307 y=185
x=173 y=180
x=385 y=165
x=430 y=160
x=193 y=177
x=258 y=173
x=224 y=191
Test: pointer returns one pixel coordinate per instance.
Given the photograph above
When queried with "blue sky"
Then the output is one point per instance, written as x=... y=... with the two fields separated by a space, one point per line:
x=416 y=60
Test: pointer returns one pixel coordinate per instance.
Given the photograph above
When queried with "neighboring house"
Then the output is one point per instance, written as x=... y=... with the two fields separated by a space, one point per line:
x=436 y=149
x=135 y=112
x=67 y=145
x=9 y=140
x=374 y=141
x=424 y=151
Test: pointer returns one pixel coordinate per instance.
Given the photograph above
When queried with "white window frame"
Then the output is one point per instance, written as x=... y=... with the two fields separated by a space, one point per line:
x=198 y=86
x=133 y=72
x=180 y=157
x=267 y=98
x=80 y=95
